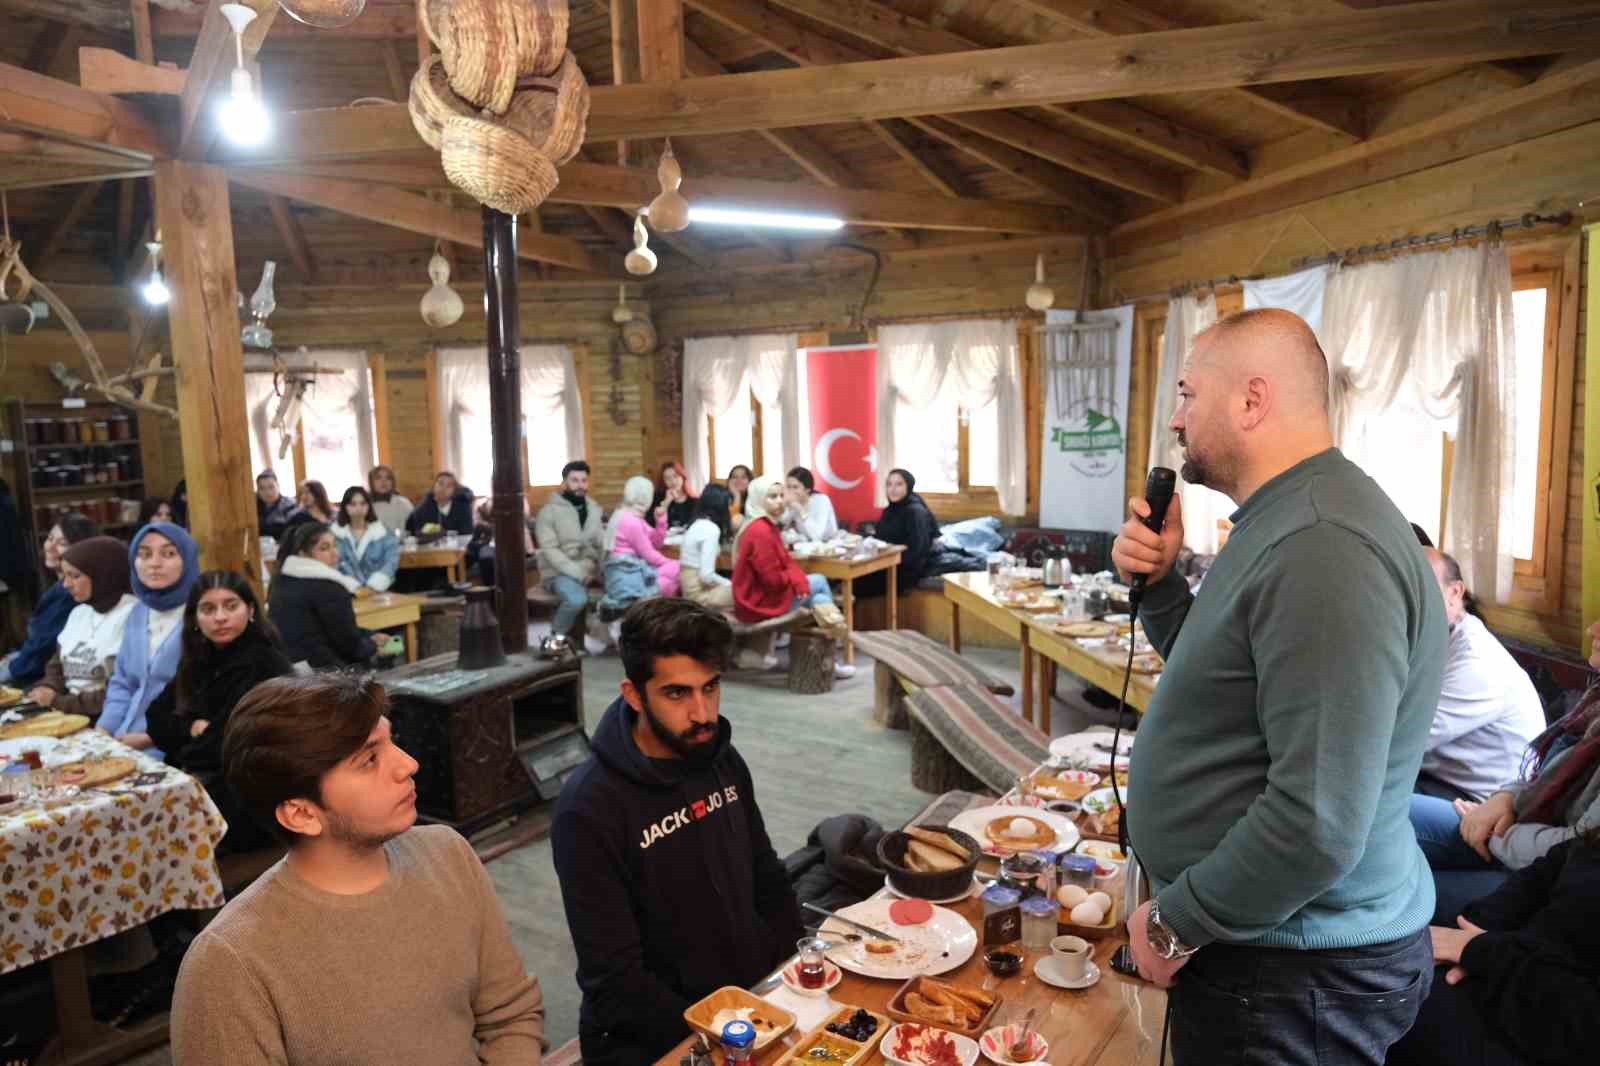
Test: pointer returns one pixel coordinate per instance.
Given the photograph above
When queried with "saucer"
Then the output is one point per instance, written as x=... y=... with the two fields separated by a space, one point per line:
x=1048 y=970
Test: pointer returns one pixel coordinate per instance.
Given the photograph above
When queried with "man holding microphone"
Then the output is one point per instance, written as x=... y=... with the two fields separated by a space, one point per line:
x=1270 y=785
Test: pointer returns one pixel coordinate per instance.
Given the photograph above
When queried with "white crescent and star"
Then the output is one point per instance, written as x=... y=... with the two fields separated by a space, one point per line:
x=824 y=461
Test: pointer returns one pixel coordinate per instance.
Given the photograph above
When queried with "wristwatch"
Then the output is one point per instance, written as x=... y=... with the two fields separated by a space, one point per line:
x=1163 y=941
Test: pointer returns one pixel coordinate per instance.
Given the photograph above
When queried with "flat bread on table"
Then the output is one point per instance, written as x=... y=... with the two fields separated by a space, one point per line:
x=999 y=831
x=48 y=724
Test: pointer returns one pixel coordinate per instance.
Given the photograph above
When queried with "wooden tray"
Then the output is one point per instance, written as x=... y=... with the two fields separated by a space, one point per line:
x=858 y=1051
x=897 y=1009
x=1091 y=932
x=770 y=1021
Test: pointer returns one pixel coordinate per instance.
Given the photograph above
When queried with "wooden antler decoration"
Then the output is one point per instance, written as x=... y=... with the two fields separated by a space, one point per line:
x=114 y=389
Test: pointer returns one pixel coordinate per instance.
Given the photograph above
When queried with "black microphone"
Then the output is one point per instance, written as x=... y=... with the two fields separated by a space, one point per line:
x=1158 y=489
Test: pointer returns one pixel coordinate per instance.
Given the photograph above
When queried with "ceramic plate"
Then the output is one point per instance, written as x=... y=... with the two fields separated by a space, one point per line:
x=937 y=946
x=906 y=1037
x=971 y=891
x=1089 y=743
x=975 y=823
x=1048 y=970
x=1102 y=800
x=831 y=976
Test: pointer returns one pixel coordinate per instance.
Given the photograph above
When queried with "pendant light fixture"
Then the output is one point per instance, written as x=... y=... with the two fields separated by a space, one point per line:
x=1040 y=296
x=262 y=304
x=324 y=14
x=155 y=291
x=441 y=305
x=244 y=118
x=641 y=260
x=669 y=211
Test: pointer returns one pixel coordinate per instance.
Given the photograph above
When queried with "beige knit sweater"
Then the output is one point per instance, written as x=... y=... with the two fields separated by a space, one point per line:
x=420 y=970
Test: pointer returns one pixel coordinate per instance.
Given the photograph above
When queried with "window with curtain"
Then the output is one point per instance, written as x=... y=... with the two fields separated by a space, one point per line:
x=740 y=405
x=552 y=415
x=950 y=407
x=336 y=428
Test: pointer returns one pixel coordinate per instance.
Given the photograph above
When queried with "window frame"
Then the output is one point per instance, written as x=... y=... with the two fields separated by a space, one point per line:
x=1549 y=280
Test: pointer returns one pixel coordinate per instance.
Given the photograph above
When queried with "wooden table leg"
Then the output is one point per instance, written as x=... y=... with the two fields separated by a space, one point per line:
x=411 y=642
x=79 y=1039
x=894 y=598
x=849 y=619
x=1027 y=676
x=1047 y=691
x=955 y=628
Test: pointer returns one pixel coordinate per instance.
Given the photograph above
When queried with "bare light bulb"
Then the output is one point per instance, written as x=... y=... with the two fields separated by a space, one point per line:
x=244 y=118
x=155 y=291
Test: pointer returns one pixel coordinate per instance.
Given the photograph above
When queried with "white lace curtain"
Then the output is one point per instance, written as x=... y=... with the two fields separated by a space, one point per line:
x=716 y=373
x=913 y=361
x=336 y=421
x=1421 y=344
x=552 y=413
x=1187 y=317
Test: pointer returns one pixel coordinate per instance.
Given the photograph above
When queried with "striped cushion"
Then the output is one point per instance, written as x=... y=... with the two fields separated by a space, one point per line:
x=992 y=741
x=923 y=661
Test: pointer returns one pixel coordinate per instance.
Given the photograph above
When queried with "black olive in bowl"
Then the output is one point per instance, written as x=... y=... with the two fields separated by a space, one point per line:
x=944 y=884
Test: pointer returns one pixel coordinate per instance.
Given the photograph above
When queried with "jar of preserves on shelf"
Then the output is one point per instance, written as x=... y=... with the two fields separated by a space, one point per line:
x=120 y=428
x=102 y=431
x=49 y=431
x=35 y=428
x=85 y=429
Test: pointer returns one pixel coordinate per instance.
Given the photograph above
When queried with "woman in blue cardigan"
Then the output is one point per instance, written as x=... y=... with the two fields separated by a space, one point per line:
x=367 y=551
x=166 y=564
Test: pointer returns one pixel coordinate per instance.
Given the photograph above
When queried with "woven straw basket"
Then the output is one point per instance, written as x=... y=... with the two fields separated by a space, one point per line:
x=541 y=35
x=432 y=101
x=552 y=113
x=494 y=165
x=488 y=44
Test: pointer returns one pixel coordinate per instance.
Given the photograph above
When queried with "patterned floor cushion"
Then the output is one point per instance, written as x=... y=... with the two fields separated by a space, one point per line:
x=978 y=730
x=923 y=661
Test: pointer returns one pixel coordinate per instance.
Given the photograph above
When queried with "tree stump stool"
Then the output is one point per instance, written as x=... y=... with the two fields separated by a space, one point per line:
x=889 y=698
x=811 y=661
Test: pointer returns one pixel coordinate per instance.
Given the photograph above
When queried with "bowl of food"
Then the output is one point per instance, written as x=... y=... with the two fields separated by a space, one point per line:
x=929 y=861
x=1013 y=1044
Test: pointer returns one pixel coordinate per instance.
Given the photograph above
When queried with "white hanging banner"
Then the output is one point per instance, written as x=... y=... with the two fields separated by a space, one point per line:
x=1301 y=293
x=1086 y=364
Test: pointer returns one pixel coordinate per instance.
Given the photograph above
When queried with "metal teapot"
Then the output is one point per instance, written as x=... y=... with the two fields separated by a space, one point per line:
x=1055 y=567
x=555 y=646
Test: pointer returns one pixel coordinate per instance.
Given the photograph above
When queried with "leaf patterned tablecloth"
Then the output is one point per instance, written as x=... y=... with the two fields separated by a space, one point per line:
x=105 y=860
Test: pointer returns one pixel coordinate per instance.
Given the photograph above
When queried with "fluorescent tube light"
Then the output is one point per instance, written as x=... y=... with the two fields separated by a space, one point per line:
x=733 y=216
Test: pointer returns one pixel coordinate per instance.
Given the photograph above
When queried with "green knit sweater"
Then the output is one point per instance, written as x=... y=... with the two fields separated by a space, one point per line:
x=1271 y=782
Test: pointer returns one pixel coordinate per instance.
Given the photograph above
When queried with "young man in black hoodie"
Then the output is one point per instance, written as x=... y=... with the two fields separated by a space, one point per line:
x=671 y=886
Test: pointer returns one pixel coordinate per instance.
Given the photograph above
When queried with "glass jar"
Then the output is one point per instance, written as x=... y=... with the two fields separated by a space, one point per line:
x=102 y=431
x=1002 y=917
x=1039 y=916
x=85 y=431
x=738 y=1042
x=1021 y=872
x=1077 y=870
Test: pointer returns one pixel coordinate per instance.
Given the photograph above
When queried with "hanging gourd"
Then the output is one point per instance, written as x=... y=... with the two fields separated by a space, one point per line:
x=669 y=212
x=1040 y=296
x=441 y=305
x=641 y=260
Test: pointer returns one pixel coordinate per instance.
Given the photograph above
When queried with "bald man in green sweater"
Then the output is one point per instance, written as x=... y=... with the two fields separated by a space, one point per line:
x=1271 y=781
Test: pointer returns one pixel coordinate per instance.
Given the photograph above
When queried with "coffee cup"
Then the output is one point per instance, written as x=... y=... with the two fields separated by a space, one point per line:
x=1072 y=956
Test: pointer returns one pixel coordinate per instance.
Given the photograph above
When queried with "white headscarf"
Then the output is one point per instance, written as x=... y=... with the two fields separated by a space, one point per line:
x=755 y=503
x=637 y=493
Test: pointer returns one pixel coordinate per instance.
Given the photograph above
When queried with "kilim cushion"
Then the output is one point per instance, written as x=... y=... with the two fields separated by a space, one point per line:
x=923 y=661
x=994 y=743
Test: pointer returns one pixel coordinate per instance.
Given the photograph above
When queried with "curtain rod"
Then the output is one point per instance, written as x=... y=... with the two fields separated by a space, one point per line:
x=1528 y=221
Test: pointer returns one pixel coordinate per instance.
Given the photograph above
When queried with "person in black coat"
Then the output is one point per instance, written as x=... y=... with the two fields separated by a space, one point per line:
x=229 y=648
x=906 y=520
x=1524 y=984
x=448 y=506
x=313 y=605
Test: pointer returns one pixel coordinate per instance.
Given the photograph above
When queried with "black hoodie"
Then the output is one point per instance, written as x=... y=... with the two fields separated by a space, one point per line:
x=671 y=886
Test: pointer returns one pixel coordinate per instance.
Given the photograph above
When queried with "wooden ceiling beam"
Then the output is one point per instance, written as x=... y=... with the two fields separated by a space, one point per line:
x=34 y=103
x=144 y=47
x=47 y=248
x=209 y=68
x=103 y=70
x=1085 y=157
x=382 y=20
x=54 y=43
x=903 y=143
x=293 y=238
x=890 y=29
x=1567 y=95
x=417 y=214
x=28 y=147
x=1174 y=61
x=111 y=16
x=660 y=40
x=399 y=84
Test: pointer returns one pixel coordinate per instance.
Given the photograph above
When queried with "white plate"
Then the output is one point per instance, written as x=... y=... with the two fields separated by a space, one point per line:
x=1103 y=850
x=52 y=750
x=1102 y=800
x=972 y=890
x=1073 y=744
x=975 y=822
x=966 y=1047
x=937 y=946
x=1048 y=970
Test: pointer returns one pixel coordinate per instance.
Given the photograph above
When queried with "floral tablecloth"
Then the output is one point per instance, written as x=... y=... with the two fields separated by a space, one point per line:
x=82 y=868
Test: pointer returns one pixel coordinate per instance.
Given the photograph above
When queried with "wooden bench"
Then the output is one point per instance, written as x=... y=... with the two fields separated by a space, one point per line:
x=966 y=734
x=746 y=633
x=906 y=661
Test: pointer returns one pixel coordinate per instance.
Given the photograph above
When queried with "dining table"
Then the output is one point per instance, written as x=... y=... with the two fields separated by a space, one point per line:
x=79 y=865
x=428 y=556
x=1117 y=1021
x=384 y=610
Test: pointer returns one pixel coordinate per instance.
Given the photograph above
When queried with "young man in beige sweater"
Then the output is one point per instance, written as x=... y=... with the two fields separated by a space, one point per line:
x=371 y=942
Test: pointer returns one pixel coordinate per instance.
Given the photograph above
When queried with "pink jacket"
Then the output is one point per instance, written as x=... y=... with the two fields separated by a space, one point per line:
x=635 y=537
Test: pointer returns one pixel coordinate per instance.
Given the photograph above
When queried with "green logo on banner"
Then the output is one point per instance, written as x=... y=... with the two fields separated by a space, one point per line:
x=1096 y=433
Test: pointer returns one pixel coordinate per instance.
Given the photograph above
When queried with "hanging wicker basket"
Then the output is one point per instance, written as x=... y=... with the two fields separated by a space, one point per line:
x=541 y=35
x=432 y=101
x=552 y=113
x=494 y=165
x=478 y=42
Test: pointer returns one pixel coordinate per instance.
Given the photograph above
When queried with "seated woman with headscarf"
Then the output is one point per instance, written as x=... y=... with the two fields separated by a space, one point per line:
x=767 y=582
x=95 y=573
x=906 y=520
x=631 y=541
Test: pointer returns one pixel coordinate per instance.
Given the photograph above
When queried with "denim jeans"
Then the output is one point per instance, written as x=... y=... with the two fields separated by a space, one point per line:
x=1237 y=1005
x=1452 y=1029
x=574 y=598
x=1460 y=875
x=820 y=593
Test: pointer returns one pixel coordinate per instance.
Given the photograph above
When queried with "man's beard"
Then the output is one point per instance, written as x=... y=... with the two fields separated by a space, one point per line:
x=353 y=837
x=695 y=745
x=1195 y=470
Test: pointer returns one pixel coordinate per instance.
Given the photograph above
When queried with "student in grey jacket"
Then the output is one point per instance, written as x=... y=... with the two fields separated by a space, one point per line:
x=571 y=542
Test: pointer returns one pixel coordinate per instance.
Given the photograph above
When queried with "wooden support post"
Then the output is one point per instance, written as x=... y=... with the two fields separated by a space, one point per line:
x=192 y=213
x=505 y=425
x=624 y=55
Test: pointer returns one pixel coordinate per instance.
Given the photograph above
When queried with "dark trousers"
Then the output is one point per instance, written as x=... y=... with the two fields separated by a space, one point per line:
x=1235 y=1005
x=1460 y=875
x=1451 y=1029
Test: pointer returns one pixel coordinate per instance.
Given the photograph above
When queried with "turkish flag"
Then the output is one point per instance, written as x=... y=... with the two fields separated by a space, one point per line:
x=842 y=439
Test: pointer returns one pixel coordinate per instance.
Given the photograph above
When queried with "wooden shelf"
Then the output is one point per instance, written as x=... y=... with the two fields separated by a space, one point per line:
x=86 y=444
x=59 y=491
